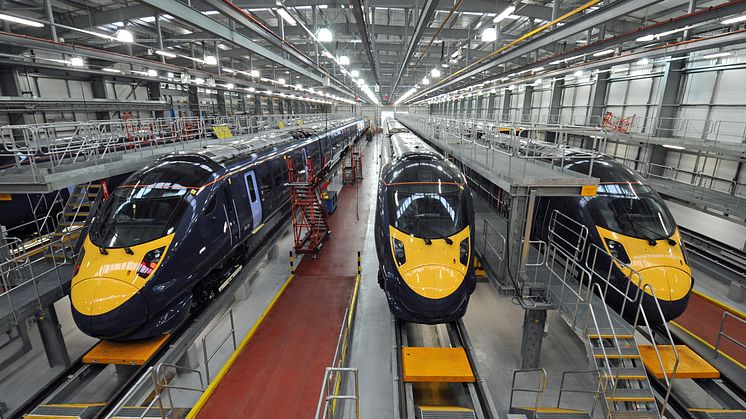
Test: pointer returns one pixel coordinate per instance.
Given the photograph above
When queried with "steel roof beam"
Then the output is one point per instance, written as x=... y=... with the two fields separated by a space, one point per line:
x=196 y=18
x=423 y=21
x=359 y=14
x=580 y=24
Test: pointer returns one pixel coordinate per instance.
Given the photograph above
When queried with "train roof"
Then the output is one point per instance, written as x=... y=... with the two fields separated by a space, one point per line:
x=408 y=145
x=246 y=145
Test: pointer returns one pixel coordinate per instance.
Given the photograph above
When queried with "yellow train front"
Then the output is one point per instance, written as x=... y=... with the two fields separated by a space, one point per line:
x=424 y=234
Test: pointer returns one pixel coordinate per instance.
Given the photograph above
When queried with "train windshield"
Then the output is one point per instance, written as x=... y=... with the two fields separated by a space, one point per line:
x=633 y=210
x=137 y=215
x=428 y=210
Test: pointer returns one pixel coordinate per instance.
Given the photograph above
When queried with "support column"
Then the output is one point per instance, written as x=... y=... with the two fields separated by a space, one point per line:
x=598 y=106
x=194 y=104
x=480 y=101
x=270 y=105
x=491 y=106
x=51 y=337
x=221 y=103
x=98 y=88
x=555 y=106
x=11 y=86
x=154 y=93
x=506 y=105
x=258 y=105
x=528 y=99
x=670 y=86
x=534 y=322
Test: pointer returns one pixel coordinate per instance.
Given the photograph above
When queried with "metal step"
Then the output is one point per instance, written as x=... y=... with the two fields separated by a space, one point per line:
x=154 y=412
x=630 y=395
x=444 y=412
x=718 y=413
x=81 y=411
x=632 y=414
x=613 y=353
x=628 y=373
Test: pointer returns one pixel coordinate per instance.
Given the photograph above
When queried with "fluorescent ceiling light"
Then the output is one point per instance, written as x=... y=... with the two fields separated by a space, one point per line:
x=210 y=60
x=20 y=20
x=152 y=73
x=425 y=81
x=505 y=13
x=170 y=75
x=77 y=62
x=269 y=92
x=286 y=16
x=674 y=147
x=199 y=80
x=254 y=73
x=324 y=35
x=489 y=35
x=281 y=81
x=354 y=73
x=537 y=69
x=252 y=90
x=734 y=20
x=643 y=61
x=229 y=86
x=210 y=12
x=716 y=55
x=435 y=73
x=123 y=35
x=604 y=52
x=328 y=54
x=578 y=73
x=111 y=70
x=298 y=86
x=166 y=54
x=344 y=60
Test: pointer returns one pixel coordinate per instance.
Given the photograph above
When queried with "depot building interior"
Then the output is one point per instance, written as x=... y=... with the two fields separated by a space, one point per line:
x=420 y=209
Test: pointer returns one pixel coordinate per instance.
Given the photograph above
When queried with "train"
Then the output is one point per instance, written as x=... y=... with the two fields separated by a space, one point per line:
x=628 y=220
x=424 y=232
x=162 y=243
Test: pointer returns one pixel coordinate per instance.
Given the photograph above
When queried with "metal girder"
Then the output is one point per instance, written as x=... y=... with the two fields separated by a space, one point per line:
x=608 y=12
x=196 y=18
x=357 y=12
x=424 y=19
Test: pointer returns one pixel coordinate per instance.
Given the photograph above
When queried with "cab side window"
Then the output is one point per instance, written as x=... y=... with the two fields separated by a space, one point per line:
x=210 y=205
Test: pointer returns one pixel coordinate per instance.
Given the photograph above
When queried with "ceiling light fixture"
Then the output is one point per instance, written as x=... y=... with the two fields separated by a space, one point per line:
x=20 y=20
x=286 y=16
x=603 y=53
x=123 y=35
x=152 y=73
x=111 y=70
x=505 y=13
x=254 y=73
x=734 y=20
x=354 y=74
x=166 y=54
x=324 y=35
x=344 y=60
x=716 y=55
x=489 y=35
x=435 y=73
x=77 y=62
x=425 y=81
x=281 y=81
x=210 y=60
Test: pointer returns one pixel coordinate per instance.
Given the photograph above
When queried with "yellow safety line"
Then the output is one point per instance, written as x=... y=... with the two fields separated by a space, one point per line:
x=521 y=38
x=223 y=371
x=719 y=304
x=350 y=316
x=704 y=342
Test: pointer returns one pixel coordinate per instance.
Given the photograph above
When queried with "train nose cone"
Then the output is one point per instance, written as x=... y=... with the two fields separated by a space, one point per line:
x=672 y=286
x=433 y=281
x=107 y=308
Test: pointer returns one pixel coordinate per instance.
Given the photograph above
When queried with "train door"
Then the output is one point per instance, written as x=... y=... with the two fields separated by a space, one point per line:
x=252 y=190
x=229 y=207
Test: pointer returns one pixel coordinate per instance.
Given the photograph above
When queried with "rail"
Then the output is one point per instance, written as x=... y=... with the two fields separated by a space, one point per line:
x=53 y=145
x=722 y=334
x=598 y=393
x=541 y=385
x=333 y=375
x=231 y=334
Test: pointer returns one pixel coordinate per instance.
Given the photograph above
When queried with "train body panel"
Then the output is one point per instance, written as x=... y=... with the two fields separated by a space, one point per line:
x=195 y=213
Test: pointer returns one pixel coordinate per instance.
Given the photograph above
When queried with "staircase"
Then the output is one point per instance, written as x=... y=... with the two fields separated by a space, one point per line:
x=83 y=201
x=308 y=211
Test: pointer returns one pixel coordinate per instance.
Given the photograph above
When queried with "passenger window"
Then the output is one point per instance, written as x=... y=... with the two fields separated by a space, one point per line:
x=250 y=187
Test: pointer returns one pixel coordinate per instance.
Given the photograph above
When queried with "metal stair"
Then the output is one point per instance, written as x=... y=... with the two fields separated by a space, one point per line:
x=308 y=211
x=83 y=201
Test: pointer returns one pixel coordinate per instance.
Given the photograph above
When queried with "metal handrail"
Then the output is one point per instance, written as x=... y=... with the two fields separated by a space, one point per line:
x=330 y=399
x=231 y=333
x=540 y=388
x=722 y=333
x=599 y=393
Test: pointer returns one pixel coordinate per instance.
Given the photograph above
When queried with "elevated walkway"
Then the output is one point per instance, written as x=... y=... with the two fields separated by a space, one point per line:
x=702 y=198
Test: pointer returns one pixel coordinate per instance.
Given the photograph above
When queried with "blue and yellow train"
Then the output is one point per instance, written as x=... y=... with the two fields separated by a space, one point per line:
x=424 y=232
x=161 y=243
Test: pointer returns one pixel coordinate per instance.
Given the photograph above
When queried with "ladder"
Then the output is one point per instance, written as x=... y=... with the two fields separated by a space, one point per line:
x=354 y=172
x=308 y=211
x=83 y=201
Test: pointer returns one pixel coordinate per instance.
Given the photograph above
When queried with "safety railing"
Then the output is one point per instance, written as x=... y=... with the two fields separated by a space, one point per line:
x=602 y=266
x=723 y=334
x=333 y=377
x=541 y=385
x=598 y=394
x=54 y=145
x=153 y=385
x=230 y=335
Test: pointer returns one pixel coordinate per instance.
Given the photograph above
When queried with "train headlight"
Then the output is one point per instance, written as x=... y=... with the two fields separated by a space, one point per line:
x=464 y=251
x=401 y=257
x=149 y=262
x=617 y=250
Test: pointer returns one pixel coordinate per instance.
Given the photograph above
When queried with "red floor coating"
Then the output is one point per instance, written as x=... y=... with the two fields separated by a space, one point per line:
x=702 y=318
x=279 y=372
